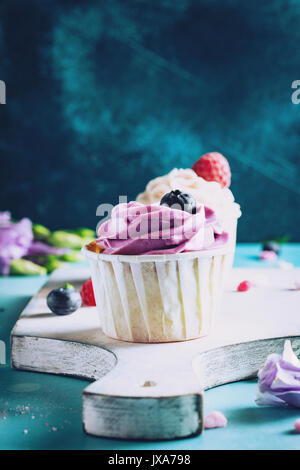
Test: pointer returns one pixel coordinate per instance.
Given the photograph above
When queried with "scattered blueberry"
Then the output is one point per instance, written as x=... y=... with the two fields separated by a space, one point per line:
x=185 y=201
x=64 y=300
x=271 y=246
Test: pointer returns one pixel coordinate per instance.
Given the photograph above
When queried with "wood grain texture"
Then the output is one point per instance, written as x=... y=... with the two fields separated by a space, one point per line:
x=149 y=418
x=155 y=391
x=60 y=357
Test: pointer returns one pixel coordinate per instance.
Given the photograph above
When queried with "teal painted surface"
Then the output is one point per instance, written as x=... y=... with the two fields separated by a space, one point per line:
x=55 y=402
x=247 y=255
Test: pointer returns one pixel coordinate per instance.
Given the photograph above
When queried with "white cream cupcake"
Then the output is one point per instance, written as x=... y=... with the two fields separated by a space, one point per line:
x=211 y=193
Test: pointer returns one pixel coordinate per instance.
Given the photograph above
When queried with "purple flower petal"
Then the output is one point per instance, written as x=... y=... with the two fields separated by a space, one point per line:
x=279 y=379
x=265 y=398
x=268 y=373
x=15 y=239
x=291 y=398
x=289 y=356
x=4 y=218
x=4 y=266
x=40 y=248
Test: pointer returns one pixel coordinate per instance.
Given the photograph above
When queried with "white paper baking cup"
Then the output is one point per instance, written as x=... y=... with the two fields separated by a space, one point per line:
x=229 y=225
x=158 y=298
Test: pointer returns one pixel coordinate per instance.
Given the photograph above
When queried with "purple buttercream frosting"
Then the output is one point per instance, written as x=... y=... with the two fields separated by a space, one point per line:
x=136 y=229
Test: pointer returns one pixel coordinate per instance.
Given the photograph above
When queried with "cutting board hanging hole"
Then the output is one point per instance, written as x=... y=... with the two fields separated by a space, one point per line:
x=149 y=383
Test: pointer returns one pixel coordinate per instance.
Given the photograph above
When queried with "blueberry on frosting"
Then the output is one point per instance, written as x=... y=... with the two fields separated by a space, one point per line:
x=178 y=200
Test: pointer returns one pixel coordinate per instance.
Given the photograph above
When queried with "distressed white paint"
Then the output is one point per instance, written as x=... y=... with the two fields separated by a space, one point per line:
x=117 y=404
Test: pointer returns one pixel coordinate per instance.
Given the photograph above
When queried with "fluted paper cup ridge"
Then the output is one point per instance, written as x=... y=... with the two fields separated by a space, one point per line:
x=157 y=258
x=158 y=298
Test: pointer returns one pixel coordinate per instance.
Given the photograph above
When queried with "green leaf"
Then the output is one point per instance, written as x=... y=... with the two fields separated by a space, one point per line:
x=23 y=267
x=86 y=233
x=282 y=239
x=68 y=286
x=72 y=257
x=63 y=239
x=40 y=232
x=53 y=264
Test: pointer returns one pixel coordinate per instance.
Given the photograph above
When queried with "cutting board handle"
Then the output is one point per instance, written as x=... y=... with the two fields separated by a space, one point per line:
x=140 y=403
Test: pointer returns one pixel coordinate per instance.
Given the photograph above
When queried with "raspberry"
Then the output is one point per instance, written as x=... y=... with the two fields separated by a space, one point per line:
x=244 y=286
x=87 y=294
x=213 y=167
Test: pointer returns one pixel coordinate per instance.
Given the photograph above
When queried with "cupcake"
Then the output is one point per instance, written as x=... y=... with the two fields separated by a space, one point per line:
x=208 y=182
x=157 y=271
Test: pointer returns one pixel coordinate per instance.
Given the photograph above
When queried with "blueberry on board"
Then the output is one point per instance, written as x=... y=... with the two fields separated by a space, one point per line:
x=179 y=200
x=64 y=300
x=271 y=246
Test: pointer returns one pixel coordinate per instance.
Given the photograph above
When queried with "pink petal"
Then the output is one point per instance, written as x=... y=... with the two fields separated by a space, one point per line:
x=268 y=255
x=297 y=425
x=215 y=419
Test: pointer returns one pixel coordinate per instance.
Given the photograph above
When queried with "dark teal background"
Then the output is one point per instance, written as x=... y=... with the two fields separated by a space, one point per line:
x=104 y=95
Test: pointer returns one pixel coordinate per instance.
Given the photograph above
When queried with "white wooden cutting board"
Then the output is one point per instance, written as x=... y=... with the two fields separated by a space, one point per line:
x=155 y=391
